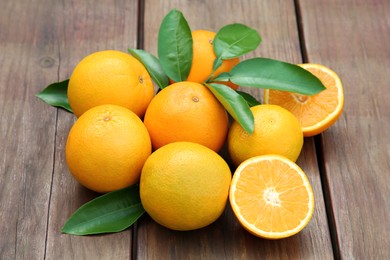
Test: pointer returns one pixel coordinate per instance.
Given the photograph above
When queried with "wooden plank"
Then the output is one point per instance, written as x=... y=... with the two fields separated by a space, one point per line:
x=352 y=37
x=225 y=238
x=84 y=27
x=27 y=129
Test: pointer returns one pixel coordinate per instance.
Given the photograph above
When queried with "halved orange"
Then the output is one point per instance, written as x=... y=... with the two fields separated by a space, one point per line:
x=318 y=112
x=271 y=196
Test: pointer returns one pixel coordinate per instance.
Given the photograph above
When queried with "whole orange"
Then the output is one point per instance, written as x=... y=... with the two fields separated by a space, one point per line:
x=107 y=147
x=203 y=57
x=185 y=186
x=186 y=111
x=276 y=131
x=110 y=77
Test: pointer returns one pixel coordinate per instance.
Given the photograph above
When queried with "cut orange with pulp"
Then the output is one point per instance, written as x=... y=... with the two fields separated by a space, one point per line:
x=271 y=196
x=318 y=112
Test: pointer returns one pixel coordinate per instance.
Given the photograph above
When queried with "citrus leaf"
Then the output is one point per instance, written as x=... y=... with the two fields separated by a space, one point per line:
x=175 y=46
x=224 y=76
x=56 y=95
x=152 y=64
x=234 y=40
x=111 y=212
x=274 y=74
x=251 y=100
x=235 y=104
x=217 y=63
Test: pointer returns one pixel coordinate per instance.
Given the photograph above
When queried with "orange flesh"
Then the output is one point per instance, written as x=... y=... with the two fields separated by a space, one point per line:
x=280 y=199
x=318 y=112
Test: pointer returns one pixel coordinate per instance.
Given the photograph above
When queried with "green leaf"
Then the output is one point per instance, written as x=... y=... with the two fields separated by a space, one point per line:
x=235 y=40
x=251 y=100
x=235 y=104
x=274 y=74
x=56 y=95
x=217 y=63
x=153 y=66
x=111 y=212
x=224 y=76
x=175 y=46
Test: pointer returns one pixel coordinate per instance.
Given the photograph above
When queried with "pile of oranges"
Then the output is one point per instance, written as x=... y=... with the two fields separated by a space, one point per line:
x=169 y=143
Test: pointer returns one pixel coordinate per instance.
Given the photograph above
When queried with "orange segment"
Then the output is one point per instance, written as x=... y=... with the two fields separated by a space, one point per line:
x=318 y=112
x=271 y=197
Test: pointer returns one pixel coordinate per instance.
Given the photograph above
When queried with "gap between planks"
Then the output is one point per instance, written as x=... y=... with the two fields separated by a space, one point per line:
x=319 y=147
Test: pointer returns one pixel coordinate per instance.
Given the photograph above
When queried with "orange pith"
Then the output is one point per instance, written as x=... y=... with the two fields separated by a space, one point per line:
x=318 y=112
x=271 y=197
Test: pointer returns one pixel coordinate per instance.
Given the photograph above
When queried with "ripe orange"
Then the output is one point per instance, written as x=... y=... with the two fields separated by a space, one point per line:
x=186 y=111
x=185 y=186
x=318 y=112
x=271 y=197
x=204 y=56
x=107 y=147
x=110 y=77
x=276 y=131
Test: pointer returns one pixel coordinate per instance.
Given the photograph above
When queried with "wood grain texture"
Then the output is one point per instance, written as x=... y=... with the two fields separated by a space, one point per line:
x=27 y=129
x=353 y=38
x=84 y=27
x=226 y=239
x=41 y=42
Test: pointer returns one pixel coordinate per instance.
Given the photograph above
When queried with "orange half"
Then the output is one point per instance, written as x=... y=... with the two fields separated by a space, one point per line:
x=318 y=112
x=271 y=197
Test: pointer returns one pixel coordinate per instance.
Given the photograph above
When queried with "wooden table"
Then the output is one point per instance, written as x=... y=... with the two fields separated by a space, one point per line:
x=41 y=41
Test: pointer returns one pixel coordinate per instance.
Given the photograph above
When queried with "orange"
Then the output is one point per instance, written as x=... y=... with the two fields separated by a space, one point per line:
x=110 y=77
x=318 y=112
x=276 y=131
x=186 y=111
x=107 y=147
x=271 y=197
x=185 y=186
x=203 y=57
